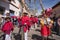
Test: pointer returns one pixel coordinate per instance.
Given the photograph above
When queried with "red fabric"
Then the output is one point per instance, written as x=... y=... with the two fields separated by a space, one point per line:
x=8 y=27
x=13 y=16
x=45 y=31
x=36 y=20
x=32 y=20
x=25 y=28
x=26 y=19
x=19 y=21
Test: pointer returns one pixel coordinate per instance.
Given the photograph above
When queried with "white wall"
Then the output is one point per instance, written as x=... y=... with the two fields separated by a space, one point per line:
x=8 y=7
x=17 y=4
x=16 y=10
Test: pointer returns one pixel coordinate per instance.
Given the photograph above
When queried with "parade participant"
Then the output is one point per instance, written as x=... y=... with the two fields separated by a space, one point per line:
x=19 y=23
x=32 y=22
x=7 y=28
x=46 y=24
x=26 y=24
x=36 y=21
x=14 y=20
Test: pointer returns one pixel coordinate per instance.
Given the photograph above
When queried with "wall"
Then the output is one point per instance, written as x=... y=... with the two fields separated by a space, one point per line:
x=17 y=10
x=5 y=5
x=56 y=10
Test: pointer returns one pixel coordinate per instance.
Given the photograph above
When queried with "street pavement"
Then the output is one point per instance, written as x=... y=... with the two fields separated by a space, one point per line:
x=33 y=34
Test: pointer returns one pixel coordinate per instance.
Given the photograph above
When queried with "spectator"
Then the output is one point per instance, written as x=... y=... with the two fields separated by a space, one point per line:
x=58 y=26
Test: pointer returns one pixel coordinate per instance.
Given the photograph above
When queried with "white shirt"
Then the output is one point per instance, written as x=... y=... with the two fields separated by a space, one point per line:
x=47 y=20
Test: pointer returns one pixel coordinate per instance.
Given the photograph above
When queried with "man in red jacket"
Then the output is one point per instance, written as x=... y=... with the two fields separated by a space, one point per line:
x=25 y=24
x=32 y=21
x=7 y=28
x=36 y=21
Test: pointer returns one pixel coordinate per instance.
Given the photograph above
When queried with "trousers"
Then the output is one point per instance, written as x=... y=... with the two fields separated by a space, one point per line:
x=26 y=35
x=8 y=37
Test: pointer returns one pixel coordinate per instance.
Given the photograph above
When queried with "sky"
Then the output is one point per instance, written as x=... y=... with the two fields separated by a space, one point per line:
x=46 y=4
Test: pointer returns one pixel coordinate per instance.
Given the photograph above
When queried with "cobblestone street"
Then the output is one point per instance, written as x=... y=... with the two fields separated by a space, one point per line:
x=32 y=35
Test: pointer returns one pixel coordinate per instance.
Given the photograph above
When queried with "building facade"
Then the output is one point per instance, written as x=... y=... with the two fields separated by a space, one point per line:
x=15 y=7
x=11 y=6
x=4 y=6
x=56 y=9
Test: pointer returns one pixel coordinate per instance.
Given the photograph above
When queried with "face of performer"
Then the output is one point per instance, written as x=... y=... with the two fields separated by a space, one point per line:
x=25 y=14
x=7 y=19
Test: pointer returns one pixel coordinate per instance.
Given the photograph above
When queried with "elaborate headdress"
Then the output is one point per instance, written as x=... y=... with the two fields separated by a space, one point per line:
x=47 y=12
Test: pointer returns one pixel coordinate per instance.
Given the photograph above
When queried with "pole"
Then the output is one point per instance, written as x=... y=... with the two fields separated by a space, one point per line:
x=41 y=5
x=22 y=31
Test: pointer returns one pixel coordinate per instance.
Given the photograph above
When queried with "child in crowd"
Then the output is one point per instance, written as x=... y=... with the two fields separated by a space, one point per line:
x=7 y=28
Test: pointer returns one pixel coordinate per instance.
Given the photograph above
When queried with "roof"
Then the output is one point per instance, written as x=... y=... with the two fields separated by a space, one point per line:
x=56 y=5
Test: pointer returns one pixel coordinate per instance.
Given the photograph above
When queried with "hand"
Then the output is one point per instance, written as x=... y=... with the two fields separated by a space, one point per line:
x=25 y=24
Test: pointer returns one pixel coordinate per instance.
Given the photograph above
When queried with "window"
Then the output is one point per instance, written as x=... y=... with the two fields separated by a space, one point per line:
x=2 y=10
x=11 y=12
x=9 y=0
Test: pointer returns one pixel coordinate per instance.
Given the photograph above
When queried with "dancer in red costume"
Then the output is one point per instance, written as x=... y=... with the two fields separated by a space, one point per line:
x=25 y=24
x=32 y=21
x=36 y=21
x=46 y=24
x=8 y=28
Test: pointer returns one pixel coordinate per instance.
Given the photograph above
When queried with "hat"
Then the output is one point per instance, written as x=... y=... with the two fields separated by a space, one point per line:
x=7 y=18
x=25 y=13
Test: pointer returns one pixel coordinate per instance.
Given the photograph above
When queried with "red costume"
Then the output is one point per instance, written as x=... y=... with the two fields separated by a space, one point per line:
x=8 y=27
x=26 y=21
x=19 y=21
x=36 y=20
x=46 y=23
x=45 y=31
x=32 y=20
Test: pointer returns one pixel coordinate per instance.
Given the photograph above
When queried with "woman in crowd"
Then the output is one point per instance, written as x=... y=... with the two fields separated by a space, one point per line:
x=46 y=24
